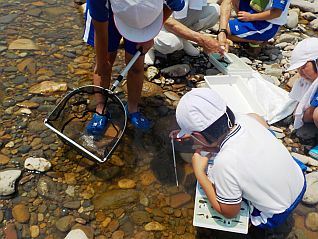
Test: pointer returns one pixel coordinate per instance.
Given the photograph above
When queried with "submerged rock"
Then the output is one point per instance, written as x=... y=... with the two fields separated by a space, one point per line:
x=48 y=87
x=115 y=199
x=154 y=226
x=7 y=181
x=23 y=44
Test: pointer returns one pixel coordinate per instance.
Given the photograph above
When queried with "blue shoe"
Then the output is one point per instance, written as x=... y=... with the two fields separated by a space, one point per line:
x=138 y=120
x=98 y=124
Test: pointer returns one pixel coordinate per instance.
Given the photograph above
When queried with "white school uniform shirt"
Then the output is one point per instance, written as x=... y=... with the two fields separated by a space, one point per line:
x=304 y=102
x=252 y=164
x=190 y=4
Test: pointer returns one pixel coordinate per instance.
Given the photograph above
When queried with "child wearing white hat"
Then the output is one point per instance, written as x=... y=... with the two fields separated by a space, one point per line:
x=304 y=59
x=138 y=22
x=250 y=162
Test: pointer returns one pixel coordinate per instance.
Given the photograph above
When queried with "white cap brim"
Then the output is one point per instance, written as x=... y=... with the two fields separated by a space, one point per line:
x=296 y=65
x=182 y=133
x=136 y=34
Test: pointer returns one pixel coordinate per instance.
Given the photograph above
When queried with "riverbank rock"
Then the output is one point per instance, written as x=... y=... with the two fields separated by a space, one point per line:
x=7 y=181
x=311 y=194
x=311 y=221
x=305 y=159
x=37 y=164
x=178 y=70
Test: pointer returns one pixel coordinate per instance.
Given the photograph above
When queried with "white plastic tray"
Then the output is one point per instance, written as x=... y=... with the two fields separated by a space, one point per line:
x=237 y=67
x=236 y=94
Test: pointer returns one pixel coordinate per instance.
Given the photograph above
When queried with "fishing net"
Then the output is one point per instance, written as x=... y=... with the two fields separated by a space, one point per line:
x=71 y=116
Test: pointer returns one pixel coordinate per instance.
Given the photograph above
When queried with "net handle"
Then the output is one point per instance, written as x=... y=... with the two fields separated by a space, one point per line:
x=126 y=69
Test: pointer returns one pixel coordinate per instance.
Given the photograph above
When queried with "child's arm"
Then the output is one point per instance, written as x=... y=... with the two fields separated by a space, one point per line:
x=266 y=15
x=199 y=165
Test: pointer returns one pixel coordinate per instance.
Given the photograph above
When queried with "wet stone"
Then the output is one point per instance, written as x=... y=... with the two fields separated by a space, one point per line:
x=47 y=188
x=10 y=69
x=4 y=159
x=34 y=12
x=8 y=18
x=140 y=217
x=24 y=149
x=179 y=200
x=10 y=231
x=36 y=126
x=8 y=102
x=7 y=181
x=64 y=223
x=72 y=204
x=19 y=80
x=21 y=213
x=115 y=198
x=154 y=226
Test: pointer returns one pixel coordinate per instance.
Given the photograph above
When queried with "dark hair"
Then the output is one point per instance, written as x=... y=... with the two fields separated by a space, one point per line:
x=219 y=127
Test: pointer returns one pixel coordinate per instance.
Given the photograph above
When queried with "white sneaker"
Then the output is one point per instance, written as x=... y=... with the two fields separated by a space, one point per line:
x=189 y=49
x=150 y=57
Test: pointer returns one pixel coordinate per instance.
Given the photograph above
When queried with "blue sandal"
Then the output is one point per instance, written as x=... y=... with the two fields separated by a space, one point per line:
x=98 y=124
x=138 y=120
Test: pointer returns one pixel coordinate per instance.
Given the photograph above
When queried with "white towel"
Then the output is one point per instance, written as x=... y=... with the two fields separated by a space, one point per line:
x=304 y=104
x=189 y=4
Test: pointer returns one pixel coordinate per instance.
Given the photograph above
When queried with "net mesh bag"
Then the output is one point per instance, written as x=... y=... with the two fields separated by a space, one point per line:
x=71 y=116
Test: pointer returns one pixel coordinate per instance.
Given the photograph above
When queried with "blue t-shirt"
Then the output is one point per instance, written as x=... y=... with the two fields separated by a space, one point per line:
x=98 y=9
x=279 y=4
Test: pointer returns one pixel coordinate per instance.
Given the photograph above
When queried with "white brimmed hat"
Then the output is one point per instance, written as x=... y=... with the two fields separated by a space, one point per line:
x=198 y=109
x=138 y=20
x=306 y=50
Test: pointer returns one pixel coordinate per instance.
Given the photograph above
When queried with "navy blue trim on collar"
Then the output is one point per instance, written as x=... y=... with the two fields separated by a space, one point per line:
x=231 y=134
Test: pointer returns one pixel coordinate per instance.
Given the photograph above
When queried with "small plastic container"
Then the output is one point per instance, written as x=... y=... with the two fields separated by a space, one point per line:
x=235 y=67
x=234 y=91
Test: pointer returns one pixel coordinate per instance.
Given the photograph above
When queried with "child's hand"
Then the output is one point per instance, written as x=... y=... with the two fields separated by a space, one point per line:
x=245 y=16
x=199 y=163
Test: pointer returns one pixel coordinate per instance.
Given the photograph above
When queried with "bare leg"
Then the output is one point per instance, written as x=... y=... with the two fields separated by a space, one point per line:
x=105 y=82
x=135 y=79
x=315 y=117
x=238 y=39
x=235 y=5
